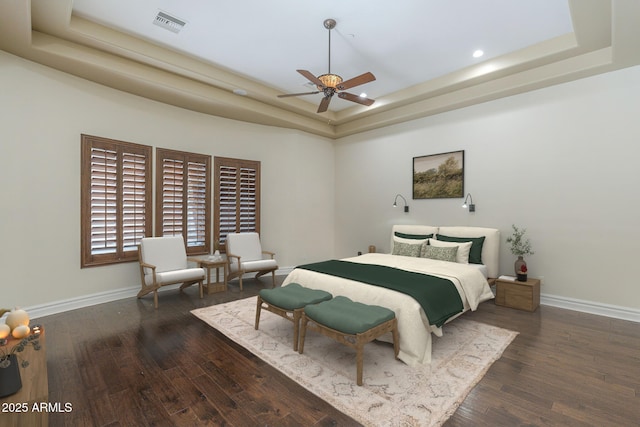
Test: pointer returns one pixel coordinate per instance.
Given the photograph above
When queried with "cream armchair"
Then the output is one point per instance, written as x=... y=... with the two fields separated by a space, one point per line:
x=163 y=261
x=245 y=255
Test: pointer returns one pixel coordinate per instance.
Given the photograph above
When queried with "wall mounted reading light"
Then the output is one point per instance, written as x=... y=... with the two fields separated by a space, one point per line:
x=470 y=205
x=395 y=202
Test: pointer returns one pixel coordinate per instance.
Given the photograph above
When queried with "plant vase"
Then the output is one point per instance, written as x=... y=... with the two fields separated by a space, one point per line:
x=520 y=267
x=10 y=382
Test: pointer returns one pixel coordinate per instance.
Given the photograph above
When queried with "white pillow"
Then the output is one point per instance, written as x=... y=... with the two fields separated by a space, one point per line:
x=462 y=257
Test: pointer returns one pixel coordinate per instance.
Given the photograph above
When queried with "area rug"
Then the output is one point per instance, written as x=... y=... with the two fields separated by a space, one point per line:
x=393 y=393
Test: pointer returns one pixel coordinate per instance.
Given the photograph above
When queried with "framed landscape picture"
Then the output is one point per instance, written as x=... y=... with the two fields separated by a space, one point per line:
x=439 y=176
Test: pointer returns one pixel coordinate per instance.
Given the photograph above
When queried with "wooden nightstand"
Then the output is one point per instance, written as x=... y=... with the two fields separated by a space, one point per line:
x=520 y=295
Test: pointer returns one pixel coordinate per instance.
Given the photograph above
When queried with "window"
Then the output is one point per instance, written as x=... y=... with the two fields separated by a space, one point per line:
x=237 y=197
x=183 y=198
x=115 y=200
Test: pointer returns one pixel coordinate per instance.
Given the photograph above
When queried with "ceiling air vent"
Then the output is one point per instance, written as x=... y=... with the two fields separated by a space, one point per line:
x=169 y=22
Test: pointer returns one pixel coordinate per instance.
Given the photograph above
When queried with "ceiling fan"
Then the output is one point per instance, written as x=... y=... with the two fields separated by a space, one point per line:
x=330 y=84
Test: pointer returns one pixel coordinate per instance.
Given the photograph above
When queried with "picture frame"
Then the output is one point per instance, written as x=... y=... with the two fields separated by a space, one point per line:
x=439 y=176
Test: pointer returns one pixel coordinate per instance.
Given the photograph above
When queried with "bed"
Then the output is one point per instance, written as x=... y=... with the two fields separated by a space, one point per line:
x=475 y=264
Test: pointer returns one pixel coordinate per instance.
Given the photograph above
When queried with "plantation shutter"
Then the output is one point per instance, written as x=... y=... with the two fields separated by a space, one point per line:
x=115 y=200
x=248 y=210
x=134 y=200
x=172 y=196
x=104 y=201
x=183 y=198
x=237 y=198
x=198 y=206
x=227 y=201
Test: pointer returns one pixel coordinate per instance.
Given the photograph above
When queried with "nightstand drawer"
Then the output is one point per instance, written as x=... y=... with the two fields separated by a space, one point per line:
x=520 y=295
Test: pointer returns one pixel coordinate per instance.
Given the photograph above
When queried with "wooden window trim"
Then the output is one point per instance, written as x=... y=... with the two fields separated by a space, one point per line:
x=185 y=158
x=240 y=210
x=127 y=224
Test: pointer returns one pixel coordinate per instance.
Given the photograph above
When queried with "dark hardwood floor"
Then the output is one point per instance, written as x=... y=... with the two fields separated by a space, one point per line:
x=125 y=363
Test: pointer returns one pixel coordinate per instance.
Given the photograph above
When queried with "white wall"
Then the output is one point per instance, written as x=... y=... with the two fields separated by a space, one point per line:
x=42 y=114
x=562 y=162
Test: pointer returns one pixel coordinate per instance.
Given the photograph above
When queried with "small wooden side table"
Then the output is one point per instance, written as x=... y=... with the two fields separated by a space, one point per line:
x=519 y=295
x=218 y=285
x=25 y=407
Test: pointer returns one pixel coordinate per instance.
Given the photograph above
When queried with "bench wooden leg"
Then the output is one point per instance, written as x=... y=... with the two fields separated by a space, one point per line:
x=359 y=360
x=356 y=341
x=303 y=332
x=258 y=311
x=396 y=338
x=297 y=314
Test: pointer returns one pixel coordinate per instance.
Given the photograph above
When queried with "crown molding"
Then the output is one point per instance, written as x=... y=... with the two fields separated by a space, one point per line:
x=46 y=32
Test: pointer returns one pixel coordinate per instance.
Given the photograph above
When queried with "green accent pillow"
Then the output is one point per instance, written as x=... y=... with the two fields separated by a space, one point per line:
x=475 y=254
x=439 y=253
x=406 y=249
x=412 y=236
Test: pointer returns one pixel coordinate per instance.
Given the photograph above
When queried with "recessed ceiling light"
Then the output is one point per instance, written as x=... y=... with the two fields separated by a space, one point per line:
x=478 y=53
x=363 y=95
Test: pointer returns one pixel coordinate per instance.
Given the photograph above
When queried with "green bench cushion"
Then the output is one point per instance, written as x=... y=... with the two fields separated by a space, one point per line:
x=348 y=316
x=293 y=296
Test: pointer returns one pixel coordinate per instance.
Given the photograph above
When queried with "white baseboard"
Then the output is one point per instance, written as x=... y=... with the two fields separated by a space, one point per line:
x=56 y=307
x=617 y=312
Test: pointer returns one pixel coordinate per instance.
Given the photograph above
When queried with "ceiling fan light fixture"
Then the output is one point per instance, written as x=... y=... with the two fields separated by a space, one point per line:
x=330 y=84
x=330 y=80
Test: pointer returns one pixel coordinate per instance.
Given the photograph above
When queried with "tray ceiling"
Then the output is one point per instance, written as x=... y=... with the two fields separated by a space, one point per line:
x=232 y=59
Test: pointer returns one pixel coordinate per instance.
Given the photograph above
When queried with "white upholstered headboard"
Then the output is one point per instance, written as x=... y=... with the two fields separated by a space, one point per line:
x=490 y=249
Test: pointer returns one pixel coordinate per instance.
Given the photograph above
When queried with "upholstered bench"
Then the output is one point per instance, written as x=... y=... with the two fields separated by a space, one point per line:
x=288 y=302
x=351 y=323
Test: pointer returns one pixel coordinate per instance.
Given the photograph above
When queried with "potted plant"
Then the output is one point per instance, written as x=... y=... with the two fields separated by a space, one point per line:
x=520 y=246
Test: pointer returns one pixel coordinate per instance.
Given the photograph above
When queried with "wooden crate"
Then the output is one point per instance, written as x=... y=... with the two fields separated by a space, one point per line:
x=519 y=295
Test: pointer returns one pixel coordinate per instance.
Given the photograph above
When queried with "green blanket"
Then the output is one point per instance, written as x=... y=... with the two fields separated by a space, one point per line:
x=438 y=297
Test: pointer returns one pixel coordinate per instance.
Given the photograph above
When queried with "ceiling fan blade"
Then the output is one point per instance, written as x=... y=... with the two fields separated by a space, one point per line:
x=356 y=98
x=298 y=94
x=324 y=104
x=356 y=81
x=313 y=79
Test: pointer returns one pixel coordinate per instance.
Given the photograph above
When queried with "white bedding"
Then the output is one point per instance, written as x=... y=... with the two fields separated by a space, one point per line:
x=482 y=269
x=413 y=326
